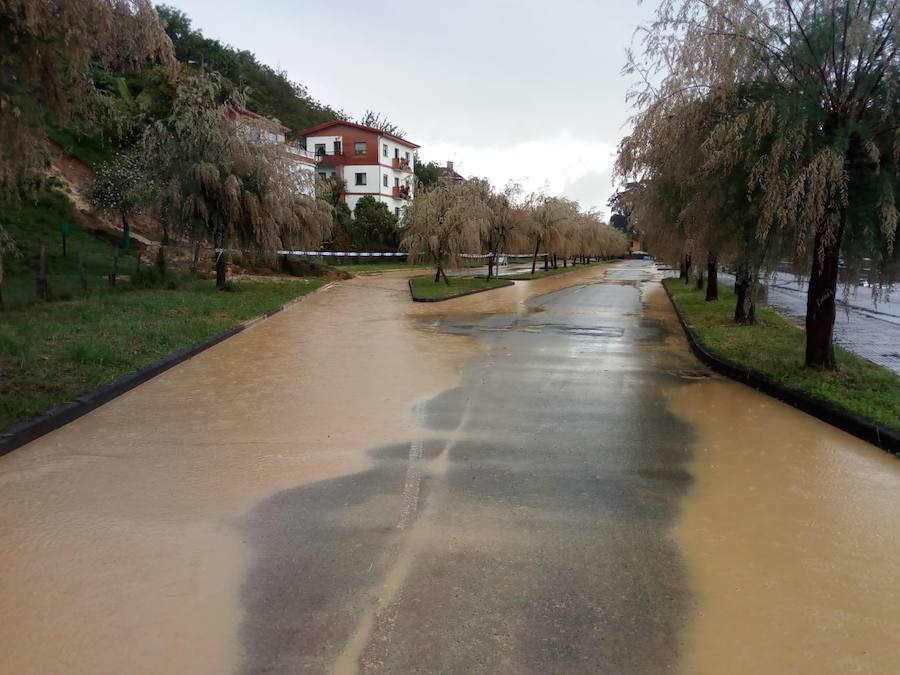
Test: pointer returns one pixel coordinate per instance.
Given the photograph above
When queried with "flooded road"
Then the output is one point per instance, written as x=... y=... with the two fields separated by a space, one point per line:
x=539 y=479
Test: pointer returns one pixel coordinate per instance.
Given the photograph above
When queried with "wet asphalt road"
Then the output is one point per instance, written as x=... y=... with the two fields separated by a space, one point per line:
x=526 y=532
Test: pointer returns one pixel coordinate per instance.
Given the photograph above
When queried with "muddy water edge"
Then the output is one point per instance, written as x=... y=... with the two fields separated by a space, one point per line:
x=789 y=534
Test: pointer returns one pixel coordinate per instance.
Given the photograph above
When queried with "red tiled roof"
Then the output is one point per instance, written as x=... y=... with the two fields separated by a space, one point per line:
x=321 y=127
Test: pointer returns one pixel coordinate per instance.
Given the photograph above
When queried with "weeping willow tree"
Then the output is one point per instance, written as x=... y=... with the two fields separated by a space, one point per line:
x=223 y=187
x=507 y=220
x=550 y=216
x=48 y=51
x=443 y=222
x=818 y=138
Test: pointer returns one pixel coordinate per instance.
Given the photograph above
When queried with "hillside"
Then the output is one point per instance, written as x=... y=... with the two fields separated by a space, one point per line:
x=271 y=92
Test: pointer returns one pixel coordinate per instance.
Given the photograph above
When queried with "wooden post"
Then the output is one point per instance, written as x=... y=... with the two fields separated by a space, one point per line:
x=115 y=270
x=43 y=286
x=81 y=274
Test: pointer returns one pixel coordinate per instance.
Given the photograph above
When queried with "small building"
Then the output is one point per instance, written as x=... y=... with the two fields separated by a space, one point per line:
x=368 y=160
x=260 y=129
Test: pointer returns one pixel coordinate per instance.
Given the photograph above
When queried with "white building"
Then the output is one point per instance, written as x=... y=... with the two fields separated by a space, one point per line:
x=260 y=129
x=369 y=161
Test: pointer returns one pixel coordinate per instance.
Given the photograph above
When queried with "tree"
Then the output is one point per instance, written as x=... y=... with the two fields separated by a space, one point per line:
x=549 y=217
x=506 y=219
x=443 y=222
x=223 y=187
x=46 y=62
x=426 y=173
x=378 y=121
x=125 y=186
x=374 y=224
x=820 y=136
x=270 y=91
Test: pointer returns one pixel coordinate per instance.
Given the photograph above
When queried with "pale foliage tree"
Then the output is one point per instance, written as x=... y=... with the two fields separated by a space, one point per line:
x=443 y=222
x=48 y=51
x=550 y=217
x=818 y=137
x=225 y=188
x=507 y=223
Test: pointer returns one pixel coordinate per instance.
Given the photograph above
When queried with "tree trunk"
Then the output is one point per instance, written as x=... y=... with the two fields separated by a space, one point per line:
x=195 y=256
x=437 y=274
x=820 y=301
x=126 y=233
x=43 y=285
x=687 y=269
x=565 y=261
x=1 y=279
x=221 y=268
x=745 y=290
x=537 y=247
x=546 y=262
x=712 y=278
x=444 y=274
x=81 y=275
x=490 y=266
x=115 y=270
x=700 y=279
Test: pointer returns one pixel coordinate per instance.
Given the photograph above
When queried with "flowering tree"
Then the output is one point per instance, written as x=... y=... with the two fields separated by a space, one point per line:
x=124 y=186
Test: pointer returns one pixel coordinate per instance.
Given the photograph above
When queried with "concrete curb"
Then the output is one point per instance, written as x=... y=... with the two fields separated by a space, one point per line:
x=458 y=295
x=870 y=432
x=24 y=432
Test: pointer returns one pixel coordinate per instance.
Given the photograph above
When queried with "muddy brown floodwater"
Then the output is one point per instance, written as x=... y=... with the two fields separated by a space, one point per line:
x=125 y=537
x=115 y=545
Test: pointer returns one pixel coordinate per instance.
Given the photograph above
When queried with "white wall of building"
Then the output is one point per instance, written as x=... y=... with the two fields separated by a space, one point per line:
x=312 y=141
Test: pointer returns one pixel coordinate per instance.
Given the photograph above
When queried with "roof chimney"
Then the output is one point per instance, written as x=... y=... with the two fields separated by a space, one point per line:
x=449 y=165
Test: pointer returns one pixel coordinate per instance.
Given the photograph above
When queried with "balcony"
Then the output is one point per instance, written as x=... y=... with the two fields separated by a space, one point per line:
x=402 y=192
x=324 y=159
x=401 y=164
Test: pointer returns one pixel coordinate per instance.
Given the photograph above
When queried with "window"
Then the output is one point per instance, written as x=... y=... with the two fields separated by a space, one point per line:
x=322 y=174
x=337 y=148
x=361 y=148
x=396 y=182
x=385 y=180
x=397 y=153
x=397 y=211
x=384 y=150
x=360 y=179
x=320 y=149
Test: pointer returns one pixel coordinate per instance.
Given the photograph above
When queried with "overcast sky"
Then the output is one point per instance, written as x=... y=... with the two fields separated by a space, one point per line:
x=510 y=90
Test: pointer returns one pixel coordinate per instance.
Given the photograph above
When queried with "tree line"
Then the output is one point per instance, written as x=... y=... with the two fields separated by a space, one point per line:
x=770 y=129
x=447 y=220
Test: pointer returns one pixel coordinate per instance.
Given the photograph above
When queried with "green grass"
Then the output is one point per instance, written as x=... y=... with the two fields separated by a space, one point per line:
x=375 y=267
x=53 y=352
x=89 y=148
x=775 y=347
x=424 y=288
x=35 y=219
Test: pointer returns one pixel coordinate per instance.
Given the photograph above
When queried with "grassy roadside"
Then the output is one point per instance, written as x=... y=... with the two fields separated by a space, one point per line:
x=52 y=352
x=424 y=288
x=775 y=347
x=374 y=268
